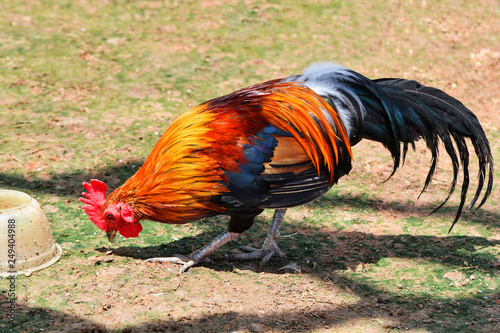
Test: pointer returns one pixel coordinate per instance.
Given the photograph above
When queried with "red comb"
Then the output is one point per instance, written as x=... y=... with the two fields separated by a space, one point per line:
x=95 y=198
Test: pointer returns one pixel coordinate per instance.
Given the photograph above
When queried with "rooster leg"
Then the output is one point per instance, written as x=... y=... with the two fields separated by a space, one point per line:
x=270 y=246
x=198 y=255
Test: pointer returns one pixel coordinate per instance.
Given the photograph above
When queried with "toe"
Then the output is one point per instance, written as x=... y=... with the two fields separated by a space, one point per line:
x=266 y=258
x=186 y=266
x=176 y=259
x=279 y=253
x=245 y=256
x=249 y=249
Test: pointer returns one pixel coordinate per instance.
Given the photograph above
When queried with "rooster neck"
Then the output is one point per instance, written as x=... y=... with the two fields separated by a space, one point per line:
x=180 y=178
x=176 y=205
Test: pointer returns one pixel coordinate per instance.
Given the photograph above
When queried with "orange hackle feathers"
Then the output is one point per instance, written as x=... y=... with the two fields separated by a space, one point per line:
x=177 y=180
x=186 y=169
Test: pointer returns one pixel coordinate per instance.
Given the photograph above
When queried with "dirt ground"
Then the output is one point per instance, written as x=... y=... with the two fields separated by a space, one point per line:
x=114 y=288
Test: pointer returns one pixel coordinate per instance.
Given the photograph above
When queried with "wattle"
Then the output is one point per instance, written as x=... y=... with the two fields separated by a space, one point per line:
x=130 y=230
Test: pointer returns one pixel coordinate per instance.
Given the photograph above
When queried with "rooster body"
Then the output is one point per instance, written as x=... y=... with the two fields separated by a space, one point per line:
x=280 y=144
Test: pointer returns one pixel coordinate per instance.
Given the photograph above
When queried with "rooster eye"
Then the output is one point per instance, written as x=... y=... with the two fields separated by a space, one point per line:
x=110 y=217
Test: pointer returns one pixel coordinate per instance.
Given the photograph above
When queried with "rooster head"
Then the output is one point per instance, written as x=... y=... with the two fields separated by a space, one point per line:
x=112 y=217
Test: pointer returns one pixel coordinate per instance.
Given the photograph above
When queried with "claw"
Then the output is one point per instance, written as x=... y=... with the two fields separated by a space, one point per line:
x=185 y=261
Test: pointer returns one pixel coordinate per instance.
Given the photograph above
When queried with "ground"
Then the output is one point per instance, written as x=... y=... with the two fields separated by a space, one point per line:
x=87 y=88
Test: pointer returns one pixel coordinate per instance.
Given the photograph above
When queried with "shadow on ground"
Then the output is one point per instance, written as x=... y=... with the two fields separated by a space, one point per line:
x=337 y=250
x=386 y=310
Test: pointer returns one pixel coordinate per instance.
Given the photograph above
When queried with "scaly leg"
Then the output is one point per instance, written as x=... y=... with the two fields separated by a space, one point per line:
x=270 y=246
x=198 y=255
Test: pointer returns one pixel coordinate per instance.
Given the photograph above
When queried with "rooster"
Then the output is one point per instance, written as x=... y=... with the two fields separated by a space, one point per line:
x=284 y=143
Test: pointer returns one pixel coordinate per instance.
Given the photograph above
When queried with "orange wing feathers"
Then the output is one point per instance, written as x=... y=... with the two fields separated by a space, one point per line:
x=301 y=112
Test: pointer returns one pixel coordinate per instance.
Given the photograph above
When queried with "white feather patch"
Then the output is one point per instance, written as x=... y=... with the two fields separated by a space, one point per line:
x=325 y=79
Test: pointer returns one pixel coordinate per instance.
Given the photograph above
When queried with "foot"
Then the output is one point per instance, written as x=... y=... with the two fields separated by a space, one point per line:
x=198 y=255
x=265 y=254
x=270 y=246
x=185 y=261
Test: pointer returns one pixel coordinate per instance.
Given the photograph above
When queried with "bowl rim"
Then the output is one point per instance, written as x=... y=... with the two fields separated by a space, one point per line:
x=28 y=271
x=21 y=206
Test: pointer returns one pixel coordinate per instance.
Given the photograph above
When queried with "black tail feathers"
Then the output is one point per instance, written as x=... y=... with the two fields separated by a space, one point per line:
x=398 y=112
x=401 y=111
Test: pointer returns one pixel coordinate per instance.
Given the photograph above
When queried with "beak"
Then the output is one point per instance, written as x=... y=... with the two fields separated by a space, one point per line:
x=111 y=234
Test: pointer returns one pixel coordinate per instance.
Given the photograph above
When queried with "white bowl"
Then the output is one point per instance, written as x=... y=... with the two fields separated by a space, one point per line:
x=26 y=242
